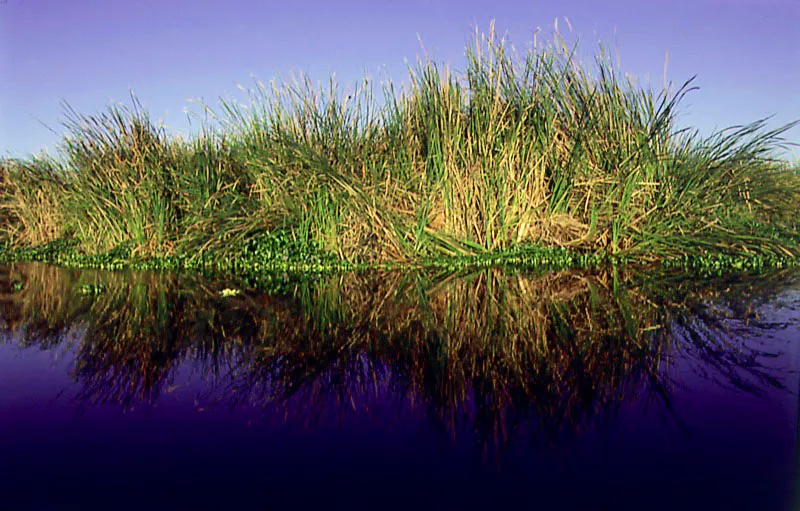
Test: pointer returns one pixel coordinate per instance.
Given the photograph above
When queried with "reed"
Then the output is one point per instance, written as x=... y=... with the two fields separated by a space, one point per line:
x=519 y=150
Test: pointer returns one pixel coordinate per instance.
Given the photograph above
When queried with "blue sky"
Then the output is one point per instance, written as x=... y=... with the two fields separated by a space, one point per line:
x=90 y=53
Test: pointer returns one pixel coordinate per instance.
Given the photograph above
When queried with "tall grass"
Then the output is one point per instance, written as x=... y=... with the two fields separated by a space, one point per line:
x=532 y=148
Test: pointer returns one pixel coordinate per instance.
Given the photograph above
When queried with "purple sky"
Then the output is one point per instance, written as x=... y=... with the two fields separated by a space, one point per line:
x=746 y=53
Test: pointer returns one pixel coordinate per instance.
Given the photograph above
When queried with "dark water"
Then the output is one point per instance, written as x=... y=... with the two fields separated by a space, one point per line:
x=605 y=390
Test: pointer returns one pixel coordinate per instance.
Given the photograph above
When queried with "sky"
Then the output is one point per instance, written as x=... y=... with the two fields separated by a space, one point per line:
x=92 y=53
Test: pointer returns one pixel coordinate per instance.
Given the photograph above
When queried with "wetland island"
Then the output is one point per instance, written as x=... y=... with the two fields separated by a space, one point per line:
x=520 y=285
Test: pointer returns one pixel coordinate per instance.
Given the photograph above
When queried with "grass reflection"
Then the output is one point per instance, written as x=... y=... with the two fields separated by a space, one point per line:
x=496 y=353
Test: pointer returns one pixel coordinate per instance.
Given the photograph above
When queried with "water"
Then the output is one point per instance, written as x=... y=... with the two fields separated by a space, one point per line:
x=626 y=390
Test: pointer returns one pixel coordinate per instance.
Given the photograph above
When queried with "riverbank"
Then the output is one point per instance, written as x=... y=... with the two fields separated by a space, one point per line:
x=531 y=159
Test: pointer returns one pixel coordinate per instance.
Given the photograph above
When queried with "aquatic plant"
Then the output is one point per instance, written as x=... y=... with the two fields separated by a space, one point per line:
x=517 y=154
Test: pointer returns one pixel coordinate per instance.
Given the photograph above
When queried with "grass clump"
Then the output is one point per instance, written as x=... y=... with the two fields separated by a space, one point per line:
x=532 y=150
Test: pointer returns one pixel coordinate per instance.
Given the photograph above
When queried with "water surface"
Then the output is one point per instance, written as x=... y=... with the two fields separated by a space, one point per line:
x=609 y=389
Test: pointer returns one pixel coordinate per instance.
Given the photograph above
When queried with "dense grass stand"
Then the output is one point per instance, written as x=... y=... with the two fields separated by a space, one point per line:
x=531 y=158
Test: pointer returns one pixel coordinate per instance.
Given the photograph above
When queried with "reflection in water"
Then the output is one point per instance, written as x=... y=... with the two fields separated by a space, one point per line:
x=494 y=349
x=496 y=354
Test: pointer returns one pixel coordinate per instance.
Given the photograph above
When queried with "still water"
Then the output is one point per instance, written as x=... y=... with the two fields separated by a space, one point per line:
x=499 y=389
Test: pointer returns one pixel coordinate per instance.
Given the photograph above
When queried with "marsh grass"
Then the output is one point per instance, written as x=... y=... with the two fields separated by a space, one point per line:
x=518 y=150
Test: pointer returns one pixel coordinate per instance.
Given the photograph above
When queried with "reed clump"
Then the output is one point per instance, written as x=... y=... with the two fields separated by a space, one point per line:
x=519 y=150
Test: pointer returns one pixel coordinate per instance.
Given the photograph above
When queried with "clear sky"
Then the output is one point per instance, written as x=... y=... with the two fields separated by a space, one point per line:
x=89 y=53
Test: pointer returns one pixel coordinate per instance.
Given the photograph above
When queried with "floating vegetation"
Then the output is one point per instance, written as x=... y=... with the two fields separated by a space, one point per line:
x=532 y=159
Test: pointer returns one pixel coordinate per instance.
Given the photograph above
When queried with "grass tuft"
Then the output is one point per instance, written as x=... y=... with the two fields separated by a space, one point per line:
x=519 y=150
